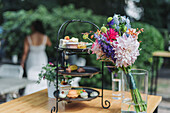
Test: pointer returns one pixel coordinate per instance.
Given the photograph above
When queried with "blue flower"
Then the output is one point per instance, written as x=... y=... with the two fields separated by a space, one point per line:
x=128 y=26
x=96 y=36
x=117 y=28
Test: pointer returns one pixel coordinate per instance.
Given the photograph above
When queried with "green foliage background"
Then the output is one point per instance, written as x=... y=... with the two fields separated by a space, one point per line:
x=152 y=40
x=17 y=26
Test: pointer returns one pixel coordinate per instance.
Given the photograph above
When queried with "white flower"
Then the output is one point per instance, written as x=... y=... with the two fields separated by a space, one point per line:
x=127 y=21
x=123 y=19
x=126 y=50
x=116 y=19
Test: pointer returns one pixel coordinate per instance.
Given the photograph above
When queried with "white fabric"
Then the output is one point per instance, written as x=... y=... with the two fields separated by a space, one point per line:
x=37 y=55
x=36 y=59
x=33 y=75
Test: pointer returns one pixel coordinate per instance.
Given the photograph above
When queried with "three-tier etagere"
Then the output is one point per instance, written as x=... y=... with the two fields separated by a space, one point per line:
x=90 y=71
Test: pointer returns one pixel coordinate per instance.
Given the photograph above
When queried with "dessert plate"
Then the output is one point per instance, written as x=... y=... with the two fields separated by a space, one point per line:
x=89 y=71
x=88 y=90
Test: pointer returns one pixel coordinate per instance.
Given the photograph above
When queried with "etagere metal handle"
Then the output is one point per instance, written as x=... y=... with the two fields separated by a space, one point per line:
x=66 y=23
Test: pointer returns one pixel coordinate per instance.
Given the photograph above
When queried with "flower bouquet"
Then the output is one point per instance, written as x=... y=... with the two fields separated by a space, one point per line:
x=118 y=43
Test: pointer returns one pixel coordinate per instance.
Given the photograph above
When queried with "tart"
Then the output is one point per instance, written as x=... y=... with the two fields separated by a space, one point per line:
x=81 y=70
x=72 y=94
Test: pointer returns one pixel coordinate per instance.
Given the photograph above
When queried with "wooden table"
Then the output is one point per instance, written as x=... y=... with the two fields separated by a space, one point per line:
x=40 y=103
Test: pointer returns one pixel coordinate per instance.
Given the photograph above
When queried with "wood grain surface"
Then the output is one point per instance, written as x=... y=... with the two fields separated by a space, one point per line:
x=40 y=103
x=161 y=53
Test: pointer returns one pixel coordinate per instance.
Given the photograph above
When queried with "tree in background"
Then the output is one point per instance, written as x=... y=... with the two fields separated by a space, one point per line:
x=17 y=25
x=15 y=5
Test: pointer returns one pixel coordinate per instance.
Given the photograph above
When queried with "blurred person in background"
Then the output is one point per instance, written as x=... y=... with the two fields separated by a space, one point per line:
x=34 y=56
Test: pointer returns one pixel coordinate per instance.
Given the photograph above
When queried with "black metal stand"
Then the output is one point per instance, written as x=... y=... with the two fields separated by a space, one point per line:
x=107 y=103
x=154 y=78
x=55 y=108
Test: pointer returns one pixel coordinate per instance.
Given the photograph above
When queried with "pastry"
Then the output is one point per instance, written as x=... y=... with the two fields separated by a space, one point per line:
x=72 y=94
x=72 y=45
x=63 y=43
x=71 y=68
x=84 y=95
x=68 y=70
x=81 y=45
x=73 y=39
x=93 y=94
x=81 y=70
x=64 y=88
x=80 y=90
x=63 y=83
x=67 y=38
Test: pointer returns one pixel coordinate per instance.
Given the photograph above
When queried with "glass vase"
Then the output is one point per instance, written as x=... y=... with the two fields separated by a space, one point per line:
x=116 y=85
x=134 y=96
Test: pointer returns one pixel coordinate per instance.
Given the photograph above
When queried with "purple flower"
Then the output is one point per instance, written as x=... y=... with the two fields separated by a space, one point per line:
x=43 y=77
x=115 y=75
x=110 y=23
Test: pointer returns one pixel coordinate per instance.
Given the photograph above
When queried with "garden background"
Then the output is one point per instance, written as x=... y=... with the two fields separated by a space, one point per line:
x=16 y=17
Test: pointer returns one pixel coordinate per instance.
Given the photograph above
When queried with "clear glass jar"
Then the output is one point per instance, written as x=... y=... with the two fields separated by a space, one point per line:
x=134 y=96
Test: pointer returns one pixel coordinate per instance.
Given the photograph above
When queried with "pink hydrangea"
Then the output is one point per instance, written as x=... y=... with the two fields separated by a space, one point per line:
x=126 y=50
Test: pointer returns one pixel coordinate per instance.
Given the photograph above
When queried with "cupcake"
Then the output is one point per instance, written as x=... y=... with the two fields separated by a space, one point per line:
x=72 y=94
x=84 y=95
x=62 y=95
x=93 y=94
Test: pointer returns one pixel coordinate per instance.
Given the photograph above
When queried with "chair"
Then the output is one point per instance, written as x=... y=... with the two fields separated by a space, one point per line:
x=9 y=70
x=15 y=71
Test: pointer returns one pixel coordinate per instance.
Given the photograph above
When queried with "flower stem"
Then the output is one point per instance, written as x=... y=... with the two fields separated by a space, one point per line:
x=90 y=40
